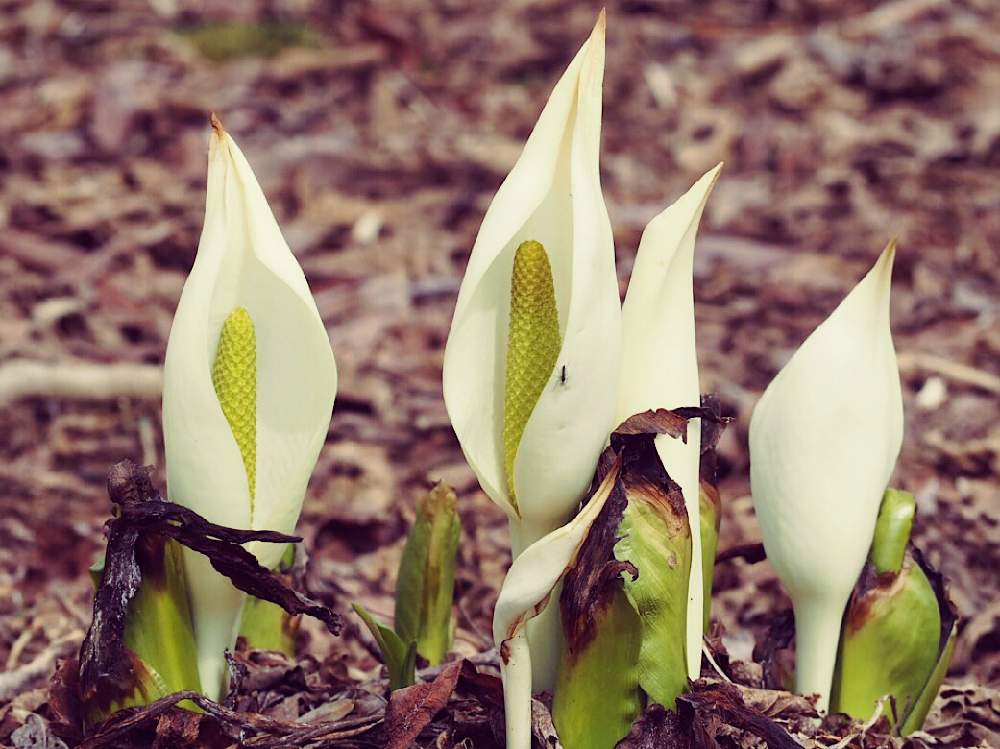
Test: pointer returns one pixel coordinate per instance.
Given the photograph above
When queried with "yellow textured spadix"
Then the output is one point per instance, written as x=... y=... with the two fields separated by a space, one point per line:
x=234 y=375
x=533 y=345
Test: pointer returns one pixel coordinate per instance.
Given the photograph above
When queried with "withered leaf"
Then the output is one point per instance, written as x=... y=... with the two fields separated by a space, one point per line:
x=779 y=636
x=411 y=710
x=487 y=689
x=595 y=575
x=36 y=734
x=725 y=702
x=658 y=727
x=107 y=670
x=542 y=728
x=711 y=433
x=178 y=728
x=64 y=700
x=672 y=422
x=750 y=553
x=701 y=713
x=658 y=421
x=249 y=729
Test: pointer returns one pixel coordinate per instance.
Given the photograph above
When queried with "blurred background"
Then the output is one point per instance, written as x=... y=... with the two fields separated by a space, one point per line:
x=379 y=132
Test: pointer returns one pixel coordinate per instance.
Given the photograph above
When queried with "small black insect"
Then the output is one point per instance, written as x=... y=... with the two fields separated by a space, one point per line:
x=562 y=375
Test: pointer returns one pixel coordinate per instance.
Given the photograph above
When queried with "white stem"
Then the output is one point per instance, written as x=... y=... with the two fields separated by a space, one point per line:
x=544 y=631
x=216 y=607
x=516 y=673
x=817 y=636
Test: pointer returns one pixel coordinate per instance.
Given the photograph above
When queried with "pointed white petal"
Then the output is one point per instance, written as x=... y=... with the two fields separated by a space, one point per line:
x=525 y=593
x=824 y=439
x=659 y=361
x=552 y=195
x=242 y=261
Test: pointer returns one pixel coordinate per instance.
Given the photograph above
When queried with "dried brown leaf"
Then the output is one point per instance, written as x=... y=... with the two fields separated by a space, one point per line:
x=411 y=710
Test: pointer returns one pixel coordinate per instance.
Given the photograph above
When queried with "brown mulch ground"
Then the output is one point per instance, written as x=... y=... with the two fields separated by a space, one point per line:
x=379 y=131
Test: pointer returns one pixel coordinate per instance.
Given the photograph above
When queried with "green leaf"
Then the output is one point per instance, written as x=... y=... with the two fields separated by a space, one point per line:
x=159 y=634
x=889 y=642
x=922 y=705
x=898 y=633
x=656 y=538
x=624 y=604
x=597 y=693
x=159 y=629
x=709 y=498
x=400 y=658
x=426 y=580
x=222 y=41
x=710 y=519
x=892 y=530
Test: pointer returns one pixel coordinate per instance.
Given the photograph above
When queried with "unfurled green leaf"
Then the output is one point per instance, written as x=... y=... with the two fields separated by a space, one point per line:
x=400 y=658
x=426 y=581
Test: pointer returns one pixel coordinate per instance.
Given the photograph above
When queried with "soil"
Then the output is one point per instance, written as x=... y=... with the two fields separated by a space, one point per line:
x=379 y=132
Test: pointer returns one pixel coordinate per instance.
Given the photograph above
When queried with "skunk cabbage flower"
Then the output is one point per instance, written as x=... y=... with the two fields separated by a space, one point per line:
x=660 y=365
x=531 y=364
x=249 y=383
x=824 y=438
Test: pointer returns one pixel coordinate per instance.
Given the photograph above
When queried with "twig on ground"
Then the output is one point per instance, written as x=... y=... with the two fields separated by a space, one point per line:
x=20 y=679
x=918 y=361
x=77 y=380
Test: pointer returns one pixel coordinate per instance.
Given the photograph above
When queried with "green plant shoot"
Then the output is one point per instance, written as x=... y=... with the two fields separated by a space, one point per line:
x=426 y=580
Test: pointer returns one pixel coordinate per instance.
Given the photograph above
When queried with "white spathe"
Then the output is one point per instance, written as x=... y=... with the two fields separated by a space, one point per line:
x=525 y=593
x=660 y=363
x=552 y=195
x=824 y=439
x=243 y=261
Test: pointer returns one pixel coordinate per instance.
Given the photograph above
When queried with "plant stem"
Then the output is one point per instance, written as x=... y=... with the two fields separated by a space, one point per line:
x=517 y=694
x=544 y=632
x=217 y=607
x=817 y=634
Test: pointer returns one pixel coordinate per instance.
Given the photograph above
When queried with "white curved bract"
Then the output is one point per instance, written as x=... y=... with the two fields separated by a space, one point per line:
x=527 y=591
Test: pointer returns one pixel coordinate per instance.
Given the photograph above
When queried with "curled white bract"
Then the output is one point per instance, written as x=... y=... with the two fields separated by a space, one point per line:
x=824 y=439
x=242 y=261
x=526 y=592
x=553 y=196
